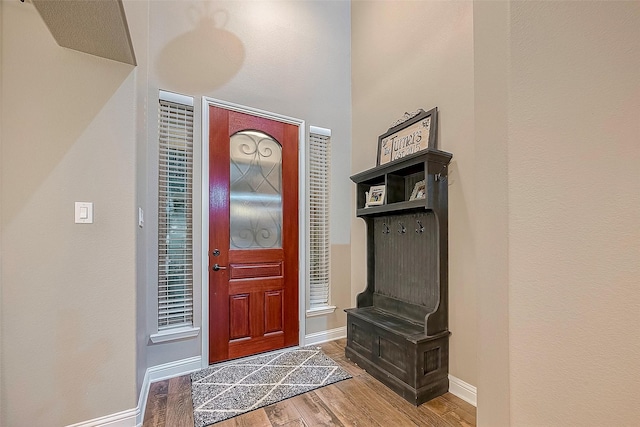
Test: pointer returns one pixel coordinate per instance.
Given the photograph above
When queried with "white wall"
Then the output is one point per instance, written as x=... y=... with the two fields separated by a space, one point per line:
x=409 y=55
x=68 y=290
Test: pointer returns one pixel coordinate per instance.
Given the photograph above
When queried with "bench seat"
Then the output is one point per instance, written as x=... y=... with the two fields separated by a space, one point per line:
x=397 y=352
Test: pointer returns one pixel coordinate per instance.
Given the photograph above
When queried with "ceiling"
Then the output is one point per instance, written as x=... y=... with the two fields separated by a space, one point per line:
x=97 y=27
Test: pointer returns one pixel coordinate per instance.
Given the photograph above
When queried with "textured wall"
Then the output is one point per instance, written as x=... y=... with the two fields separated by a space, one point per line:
x=574 y=213
x=405 y=56
x=68 y=290
x=137 y=13
x=491 y=92
x=561 y=82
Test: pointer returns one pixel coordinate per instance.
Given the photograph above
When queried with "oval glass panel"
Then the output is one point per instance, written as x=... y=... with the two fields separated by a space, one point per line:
x=255 y=191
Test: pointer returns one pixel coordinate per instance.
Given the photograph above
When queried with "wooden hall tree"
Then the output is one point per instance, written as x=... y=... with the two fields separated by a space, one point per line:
x=399 y=330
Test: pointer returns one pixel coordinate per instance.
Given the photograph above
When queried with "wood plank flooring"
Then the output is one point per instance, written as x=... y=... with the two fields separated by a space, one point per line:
x=360 y=401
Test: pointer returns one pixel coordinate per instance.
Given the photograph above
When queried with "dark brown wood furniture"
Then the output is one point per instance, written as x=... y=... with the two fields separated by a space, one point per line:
x=399 y=330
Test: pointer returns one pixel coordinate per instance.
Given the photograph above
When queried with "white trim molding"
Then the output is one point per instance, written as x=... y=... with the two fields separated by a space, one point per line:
x=321 y=311
x=120 y=419
x=174 y=369
x=463 y=390
x=204 y=231
x=175 y=97
x=302 y=214
x=174 y=334
x=325 y=336
x=163 y=372
x=142 y=400
x=320 y=131
x=134 y=417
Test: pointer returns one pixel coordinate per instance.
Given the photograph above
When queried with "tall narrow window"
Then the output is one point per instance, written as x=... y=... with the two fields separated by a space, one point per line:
x=175 y=215
x=319 y=243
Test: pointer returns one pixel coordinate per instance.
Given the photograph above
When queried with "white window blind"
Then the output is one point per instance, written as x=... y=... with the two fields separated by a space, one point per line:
x=175 y=214
x=319 y=178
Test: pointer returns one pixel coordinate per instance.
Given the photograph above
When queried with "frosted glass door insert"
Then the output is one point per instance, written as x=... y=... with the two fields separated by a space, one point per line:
x=255 y=191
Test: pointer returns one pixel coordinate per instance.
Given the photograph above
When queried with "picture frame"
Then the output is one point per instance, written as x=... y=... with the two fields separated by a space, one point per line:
x=419 y=191
x=411 y=134
x=375 y=195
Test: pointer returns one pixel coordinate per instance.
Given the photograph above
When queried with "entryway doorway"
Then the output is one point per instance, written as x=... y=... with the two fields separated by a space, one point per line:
x=253 y=239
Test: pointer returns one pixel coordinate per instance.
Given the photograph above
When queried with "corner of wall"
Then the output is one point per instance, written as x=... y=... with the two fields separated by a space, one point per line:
x=2 y=422
x=491 y=61
x=137 y=17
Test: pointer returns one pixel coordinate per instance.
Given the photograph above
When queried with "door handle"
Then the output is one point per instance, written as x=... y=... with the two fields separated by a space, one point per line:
x=216 y=267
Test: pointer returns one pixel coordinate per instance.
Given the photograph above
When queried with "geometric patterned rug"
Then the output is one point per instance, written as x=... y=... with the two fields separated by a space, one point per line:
x=228 y=389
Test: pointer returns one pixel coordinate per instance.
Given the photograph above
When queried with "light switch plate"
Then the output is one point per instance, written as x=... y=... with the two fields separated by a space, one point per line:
x=84 y=213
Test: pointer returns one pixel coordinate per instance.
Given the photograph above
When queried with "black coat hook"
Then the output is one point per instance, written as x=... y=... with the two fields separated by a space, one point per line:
x=420 y=228
x=385 y=228
x=403 y=229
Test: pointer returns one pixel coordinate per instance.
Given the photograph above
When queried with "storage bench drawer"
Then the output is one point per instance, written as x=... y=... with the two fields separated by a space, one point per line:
x=417 y=369
x=391 y=352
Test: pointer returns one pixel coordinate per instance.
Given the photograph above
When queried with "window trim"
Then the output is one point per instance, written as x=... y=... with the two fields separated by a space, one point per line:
x=176 y=333
x=321 y=311
x=180 y=330
x=326 y=308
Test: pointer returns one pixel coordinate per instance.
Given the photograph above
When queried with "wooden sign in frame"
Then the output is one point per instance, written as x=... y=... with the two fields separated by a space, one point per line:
x=414 y=133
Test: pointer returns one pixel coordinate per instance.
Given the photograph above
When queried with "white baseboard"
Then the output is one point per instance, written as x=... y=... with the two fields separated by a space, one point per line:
x=134 y=417
x=163 y=372
x=324 y=336
x=120 y=419
x=142 y=400
x=463 y=390
x=457 y=387
x=174 y=369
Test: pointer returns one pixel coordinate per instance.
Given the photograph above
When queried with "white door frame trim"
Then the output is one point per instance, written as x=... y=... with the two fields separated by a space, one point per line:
x=302 y=213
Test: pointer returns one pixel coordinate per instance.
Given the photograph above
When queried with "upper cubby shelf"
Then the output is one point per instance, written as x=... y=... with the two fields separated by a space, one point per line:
x=404 y=184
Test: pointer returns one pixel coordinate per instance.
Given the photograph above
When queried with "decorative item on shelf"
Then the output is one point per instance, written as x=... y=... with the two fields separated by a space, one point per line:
x=419 y=191
x=406 y=116
x=375 y=196
x=414 y=132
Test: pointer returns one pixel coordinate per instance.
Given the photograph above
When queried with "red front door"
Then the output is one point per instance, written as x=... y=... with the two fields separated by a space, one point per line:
x=253 y=234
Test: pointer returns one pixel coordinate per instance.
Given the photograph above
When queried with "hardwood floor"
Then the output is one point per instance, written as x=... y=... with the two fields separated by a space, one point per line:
x=360 y=401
